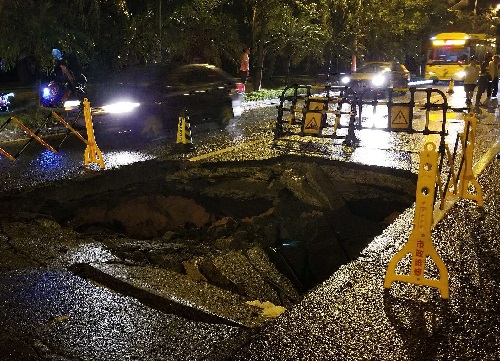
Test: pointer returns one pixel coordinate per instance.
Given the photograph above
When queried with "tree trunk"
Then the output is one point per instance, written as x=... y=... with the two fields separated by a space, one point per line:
x=257 y=83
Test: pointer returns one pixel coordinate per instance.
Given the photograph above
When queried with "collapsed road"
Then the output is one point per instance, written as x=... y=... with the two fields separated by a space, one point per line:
x=264 y=230
x=169 y=260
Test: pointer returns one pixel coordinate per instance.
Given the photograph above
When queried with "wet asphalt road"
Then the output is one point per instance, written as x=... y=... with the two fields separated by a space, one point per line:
x=46 y=312
x=249 y=137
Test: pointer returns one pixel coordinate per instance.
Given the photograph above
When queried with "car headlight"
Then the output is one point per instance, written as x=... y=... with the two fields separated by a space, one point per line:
x=378 y=80
x=460 y=74
x=345 y=80
x=120 y=107
x=71 y=104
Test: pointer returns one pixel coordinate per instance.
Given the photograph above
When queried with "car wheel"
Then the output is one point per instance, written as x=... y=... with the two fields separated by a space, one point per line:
x=226 y=115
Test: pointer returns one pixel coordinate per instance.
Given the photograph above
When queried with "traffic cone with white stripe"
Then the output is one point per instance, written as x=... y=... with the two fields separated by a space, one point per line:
x=184 y=131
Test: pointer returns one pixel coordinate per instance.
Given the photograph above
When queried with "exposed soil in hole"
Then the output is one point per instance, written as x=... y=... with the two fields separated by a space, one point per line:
x=310 y=216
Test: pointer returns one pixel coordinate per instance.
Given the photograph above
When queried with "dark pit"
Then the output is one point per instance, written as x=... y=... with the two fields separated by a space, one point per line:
x=309 y=216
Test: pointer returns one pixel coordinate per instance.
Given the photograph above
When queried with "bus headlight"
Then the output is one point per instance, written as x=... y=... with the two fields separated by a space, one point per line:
x=460 y=74
x=378 y=80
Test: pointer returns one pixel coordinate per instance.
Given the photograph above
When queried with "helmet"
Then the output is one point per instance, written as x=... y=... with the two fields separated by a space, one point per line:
x=56 y=53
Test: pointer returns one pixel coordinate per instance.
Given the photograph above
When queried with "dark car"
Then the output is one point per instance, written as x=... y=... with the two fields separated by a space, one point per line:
x=149 y=100
x=378 y=75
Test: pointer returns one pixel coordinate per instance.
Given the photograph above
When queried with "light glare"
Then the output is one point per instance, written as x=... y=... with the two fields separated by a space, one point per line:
x=121 y=107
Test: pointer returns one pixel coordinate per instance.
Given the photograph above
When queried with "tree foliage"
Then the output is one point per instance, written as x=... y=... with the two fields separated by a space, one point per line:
x=202 y=31
x=283 y=34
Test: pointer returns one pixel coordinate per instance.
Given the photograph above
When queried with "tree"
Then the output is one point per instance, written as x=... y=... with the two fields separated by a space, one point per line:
x=202 y=31
x=28 y=27
x=391 y=29
x=304 y=36
x=292 y=30
x=108 y=34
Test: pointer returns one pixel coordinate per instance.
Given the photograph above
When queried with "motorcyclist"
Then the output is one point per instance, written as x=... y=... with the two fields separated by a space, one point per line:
x=63 y=75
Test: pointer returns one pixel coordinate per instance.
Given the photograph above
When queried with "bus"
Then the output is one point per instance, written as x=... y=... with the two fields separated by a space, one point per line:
x=449 y=53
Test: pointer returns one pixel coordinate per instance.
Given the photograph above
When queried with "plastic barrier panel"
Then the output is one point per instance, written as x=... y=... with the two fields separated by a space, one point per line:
x=92 y=152
x=419 y=245
x=464 y=183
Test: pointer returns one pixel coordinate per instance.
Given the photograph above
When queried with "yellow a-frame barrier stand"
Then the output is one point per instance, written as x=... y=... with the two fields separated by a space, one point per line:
x=463 y=183
x=419 y=245
x=92 y=152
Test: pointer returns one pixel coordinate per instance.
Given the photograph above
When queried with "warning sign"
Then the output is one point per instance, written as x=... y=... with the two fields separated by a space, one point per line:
x=312 y=123
x=400 y=117
x=316 y=106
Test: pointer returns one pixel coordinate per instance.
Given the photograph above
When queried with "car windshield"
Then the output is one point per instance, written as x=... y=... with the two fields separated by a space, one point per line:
x=373 y=68
x=191 y=75
x=145 y=75
x=157 y=75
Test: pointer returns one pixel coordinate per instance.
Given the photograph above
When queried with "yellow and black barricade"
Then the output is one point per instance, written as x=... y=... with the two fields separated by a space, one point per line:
x=184 y=138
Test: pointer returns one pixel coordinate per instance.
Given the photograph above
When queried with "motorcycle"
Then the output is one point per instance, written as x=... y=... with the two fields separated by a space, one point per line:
x=4 y=101
x=53 y=93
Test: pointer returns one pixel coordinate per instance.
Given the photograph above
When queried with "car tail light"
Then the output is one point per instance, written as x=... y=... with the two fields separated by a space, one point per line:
x=240 y=87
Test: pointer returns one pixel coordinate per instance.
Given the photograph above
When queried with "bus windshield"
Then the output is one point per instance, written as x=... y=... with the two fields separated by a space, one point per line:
x=448 y=55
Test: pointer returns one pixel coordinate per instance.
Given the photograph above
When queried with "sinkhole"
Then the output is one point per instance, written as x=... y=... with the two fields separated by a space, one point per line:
x=310 y=216
x=266 y=230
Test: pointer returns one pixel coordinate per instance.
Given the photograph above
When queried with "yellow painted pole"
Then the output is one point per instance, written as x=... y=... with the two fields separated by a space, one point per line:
x=181 y=130
x=7 y=154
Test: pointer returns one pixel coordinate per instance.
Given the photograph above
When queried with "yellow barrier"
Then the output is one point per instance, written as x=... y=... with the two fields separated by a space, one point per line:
x=33 y=135
x=465 y=177
x=419 y=245
x=92 y=152
x=184 y=130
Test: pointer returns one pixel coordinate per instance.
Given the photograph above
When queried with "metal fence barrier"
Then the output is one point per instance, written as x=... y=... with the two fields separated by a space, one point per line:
x=308 y=107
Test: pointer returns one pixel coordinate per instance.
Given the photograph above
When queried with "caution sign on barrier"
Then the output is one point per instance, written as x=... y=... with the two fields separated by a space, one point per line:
x=400 y=117
x=312 y=123
x=314 y=115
